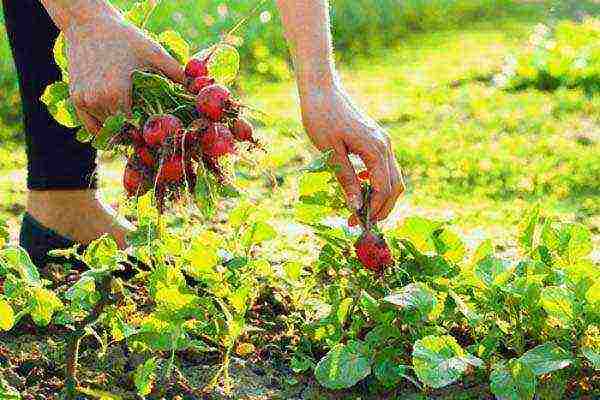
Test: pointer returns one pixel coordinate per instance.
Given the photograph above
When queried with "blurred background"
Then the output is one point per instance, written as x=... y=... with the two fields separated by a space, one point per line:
x=493 y=105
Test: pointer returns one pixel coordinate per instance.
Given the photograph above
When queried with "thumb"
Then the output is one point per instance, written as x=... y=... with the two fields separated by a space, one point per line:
x=162 y=61
x=347 y=177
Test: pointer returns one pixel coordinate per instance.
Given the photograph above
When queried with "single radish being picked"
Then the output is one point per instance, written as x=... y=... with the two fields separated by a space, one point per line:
x=159 y=127
x=243 y=131
x=171 y=170
x=373 y=252
x=199 y=83
x=134 y=179
x=214 y=102
x=217 y=141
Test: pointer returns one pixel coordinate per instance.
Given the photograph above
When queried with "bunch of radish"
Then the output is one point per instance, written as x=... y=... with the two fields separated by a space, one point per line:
x=202 y=124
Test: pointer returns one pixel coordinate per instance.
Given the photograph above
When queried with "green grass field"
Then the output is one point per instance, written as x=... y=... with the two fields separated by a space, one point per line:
x=474 y=155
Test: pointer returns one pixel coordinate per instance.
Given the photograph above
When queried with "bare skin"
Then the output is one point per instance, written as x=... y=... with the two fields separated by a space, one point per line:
x=104 y=51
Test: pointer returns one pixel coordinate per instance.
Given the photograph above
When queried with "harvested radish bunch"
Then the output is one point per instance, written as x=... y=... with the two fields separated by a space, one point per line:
x=176 y=136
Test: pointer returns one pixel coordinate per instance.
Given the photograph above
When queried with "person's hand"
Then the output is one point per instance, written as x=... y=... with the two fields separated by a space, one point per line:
x=103 y=52
x=334 y=123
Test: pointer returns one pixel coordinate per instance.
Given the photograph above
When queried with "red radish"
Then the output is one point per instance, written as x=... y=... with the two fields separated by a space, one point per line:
x=199 y=83
x=134 y=180
x=373 y=252
x=213 y=101
x=197 y=67
x=364 y=175
x=146 y=156
x=217 y=141
x=243 y=131
x=160 y=127
x=171 y=170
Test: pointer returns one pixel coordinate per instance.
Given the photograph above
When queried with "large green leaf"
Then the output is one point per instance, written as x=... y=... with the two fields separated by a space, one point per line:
x=104 y=253
x=440 y=361
x=419 y=231
x=415 y=296
x=580 y=243
x=512 y=381
x=44 y=303
x=257 y=233
x=57 y=100
x=449 y=245
x=60 y=56
x=493 y=271
x=17 y=259
x=558 y=302
x=344 y=365
x=224 y=64
x=7 y=316
x=314 y=182
x=176 y=45
x=546 y=358
x=527 y=230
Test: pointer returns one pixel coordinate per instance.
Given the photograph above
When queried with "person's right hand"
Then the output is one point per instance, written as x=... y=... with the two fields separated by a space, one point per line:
x=103 y=52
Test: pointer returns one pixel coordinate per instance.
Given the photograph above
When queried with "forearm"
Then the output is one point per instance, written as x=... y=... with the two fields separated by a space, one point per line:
x=67 y=13
x=308 y=31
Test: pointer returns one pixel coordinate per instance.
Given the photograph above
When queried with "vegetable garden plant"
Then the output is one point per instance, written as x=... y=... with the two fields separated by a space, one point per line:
x=426 y=313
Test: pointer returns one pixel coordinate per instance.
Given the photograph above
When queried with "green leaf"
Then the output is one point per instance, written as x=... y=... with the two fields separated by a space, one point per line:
x=176 y=45
x=439 y=361
x=60 y=52
x=314 y=182
x=173 y=302
x=224 y=64
x=44 y=304
x=301 y=363
x=468 y=310
x=580 y=243
x=558 y=303
x=57 y=100
x=590 y=346
x=493 y=271
x=415 y=296
x=513 y=381
x=546 y=358
x=140 y=12
x=239 y=299
x=206 y=193
x=343 y=309
x=527 y=230
x=344 y=365
x=257 y=233
x=17 y=259
x=419 y=231
x=203 y=256
x=144 y=377
x=104 y=253
x=593 y=293
x=112 y=127
x=311 y=213
x=293 y=270
x=449 y=245
x=7 y=392
x=388 y=368
x=7 y=316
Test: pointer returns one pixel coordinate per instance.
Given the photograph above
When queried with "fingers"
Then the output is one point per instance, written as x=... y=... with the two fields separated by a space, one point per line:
x=91 y=124
x=120 y=100
x=375 y=158
x=397 y=188
x=347 y=177
x=159 y=59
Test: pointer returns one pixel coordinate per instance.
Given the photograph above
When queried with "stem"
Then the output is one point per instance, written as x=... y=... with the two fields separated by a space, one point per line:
x=74 y=340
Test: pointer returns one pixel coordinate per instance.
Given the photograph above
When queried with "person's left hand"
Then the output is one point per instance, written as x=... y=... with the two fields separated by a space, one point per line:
x=334 y=123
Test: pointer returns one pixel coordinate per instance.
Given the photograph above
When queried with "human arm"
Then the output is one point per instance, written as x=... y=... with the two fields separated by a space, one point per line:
x=330 y=117
x=103 y=51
